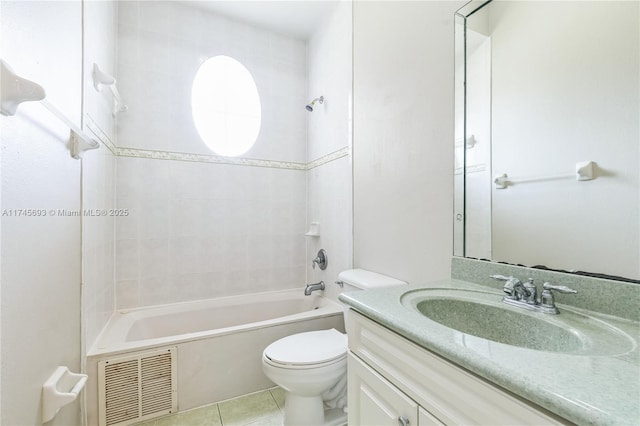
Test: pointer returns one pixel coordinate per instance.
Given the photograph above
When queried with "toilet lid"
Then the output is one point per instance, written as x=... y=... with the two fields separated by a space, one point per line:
x=312 y=347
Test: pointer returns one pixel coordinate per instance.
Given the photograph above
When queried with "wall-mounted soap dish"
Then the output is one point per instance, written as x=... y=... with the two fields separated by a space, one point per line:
x=314 y=230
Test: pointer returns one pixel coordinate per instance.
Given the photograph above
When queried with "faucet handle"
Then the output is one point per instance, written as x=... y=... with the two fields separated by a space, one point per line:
x=547 y=300
x=558 y=288
x=501 y=277
x=509 y=280
x=321 y=260
x=509 y=285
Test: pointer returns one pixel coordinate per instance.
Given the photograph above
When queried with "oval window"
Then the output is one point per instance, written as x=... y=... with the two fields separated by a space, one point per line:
x=226 y=106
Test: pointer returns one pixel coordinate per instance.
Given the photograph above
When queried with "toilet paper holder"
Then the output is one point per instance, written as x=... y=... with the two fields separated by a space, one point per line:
x=60 y=389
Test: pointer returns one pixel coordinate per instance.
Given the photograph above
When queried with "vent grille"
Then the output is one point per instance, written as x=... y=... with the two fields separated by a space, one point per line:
x=137 y=387
x=157 y=389
x=121 y=391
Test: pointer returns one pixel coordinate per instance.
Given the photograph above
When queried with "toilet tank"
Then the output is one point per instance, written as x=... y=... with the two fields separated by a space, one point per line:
x=360 y=279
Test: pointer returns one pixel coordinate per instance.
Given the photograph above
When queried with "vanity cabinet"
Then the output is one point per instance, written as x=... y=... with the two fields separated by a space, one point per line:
x=394 y=382
x=373 y=400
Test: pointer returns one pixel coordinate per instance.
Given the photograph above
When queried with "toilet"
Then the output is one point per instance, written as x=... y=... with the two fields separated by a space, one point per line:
x=312 y=367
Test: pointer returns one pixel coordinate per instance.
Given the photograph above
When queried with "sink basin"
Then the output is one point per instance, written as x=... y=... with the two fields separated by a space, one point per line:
x=482 y=314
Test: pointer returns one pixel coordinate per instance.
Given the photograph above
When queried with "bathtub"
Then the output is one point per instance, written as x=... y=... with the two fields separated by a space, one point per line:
x=219 y=342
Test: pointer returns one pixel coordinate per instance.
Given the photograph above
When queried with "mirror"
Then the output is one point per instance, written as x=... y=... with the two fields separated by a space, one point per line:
x=543 y=88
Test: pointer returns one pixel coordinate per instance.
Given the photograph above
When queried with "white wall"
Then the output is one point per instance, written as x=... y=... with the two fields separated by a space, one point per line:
x=329 y=186
x=198 y=230
x=40 y=255
x=564 y=92
x=403 y=138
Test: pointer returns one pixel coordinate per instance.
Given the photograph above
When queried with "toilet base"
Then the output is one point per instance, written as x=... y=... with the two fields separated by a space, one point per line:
x=335 y=417
x=303 y=410
x=309 y=411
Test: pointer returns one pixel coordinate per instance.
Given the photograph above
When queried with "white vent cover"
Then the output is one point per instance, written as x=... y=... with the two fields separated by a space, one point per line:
x=137 y=387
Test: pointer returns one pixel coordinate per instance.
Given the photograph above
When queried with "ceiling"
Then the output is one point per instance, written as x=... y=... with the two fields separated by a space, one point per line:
x=295 y=18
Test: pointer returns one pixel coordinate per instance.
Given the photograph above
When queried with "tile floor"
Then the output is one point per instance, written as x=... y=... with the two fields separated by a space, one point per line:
x=258 y=409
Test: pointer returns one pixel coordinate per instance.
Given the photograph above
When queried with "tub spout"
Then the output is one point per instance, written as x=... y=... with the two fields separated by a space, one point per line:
x=313 y=287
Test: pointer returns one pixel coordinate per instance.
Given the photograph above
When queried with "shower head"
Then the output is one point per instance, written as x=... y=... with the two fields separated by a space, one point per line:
x=319 y=100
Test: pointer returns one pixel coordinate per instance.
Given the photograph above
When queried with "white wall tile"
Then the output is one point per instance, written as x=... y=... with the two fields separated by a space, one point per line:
x=228 y=227
x=98 y=233
x=328 y=200
x=128 y=294
x=127 y=259
x=154 y=258
x=159 y=56
x=330 y=58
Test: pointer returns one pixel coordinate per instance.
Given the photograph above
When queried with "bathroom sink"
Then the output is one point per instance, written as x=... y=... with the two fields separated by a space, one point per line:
x=482 y=314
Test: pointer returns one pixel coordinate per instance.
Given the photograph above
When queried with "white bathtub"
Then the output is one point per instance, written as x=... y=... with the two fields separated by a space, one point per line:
x=219 y=341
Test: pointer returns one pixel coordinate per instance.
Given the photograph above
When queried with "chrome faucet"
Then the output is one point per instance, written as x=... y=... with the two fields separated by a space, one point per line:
x=313 y=287
x=526 y=295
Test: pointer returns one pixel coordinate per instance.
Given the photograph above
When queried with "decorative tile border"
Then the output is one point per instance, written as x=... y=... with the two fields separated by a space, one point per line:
x=93 y=127
x=342 y=152
x=202 y=158
x=471 y=169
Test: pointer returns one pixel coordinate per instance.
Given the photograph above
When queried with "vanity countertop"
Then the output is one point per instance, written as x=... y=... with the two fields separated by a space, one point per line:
x=584 y=389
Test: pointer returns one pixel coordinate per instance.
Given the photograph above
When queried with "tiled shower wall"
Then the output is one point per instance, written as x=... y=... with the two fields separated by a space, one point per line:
x=162 y=44
x=98 y=173
x=198 y=230
x=329 y=188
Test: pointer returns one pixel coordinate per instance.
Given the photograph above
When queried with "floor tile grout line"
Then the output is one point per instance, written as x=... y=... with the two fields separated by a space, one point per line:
x=217 y=404
x=219 y=415
x=275 y=400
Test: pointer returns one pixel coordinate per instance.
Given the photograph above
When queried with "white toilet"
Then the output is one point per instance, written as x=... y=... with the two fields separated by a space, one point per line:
x=312 y=367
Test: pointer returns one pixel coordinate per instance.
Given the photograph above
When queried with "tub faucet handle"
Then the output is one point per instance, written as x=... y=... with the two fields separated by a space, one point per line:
x=320 y=260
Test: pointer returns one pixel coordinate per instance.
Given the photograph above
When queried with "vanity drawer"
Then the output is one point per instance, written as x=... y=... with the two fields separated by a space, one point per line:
x=453 y=395
x=373 y=401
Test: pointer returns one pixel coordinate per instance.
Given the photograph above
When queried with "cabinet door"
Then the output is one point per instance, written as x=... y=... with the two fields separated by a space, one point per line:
x=373 y=401
x=425 y=418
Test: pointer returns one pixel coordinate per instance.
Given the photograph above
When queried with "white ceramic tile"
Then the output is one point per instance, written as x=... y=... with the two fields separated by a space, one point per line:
x=127 y=259
x=185 y=217
x=154 y=16
x=128 y=47
x=177 y=50
x=127 y=226
x=155 y=291
x=185 y=287
x=152 y=218
x=225 y=225
x=128 y=295
x=128 y=14
x=154 y=258
x=184 y=255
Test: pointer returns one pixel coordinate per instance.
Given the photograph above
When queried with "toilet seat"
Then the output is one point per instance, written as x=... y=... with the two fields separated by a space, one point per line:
x=312 y=349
